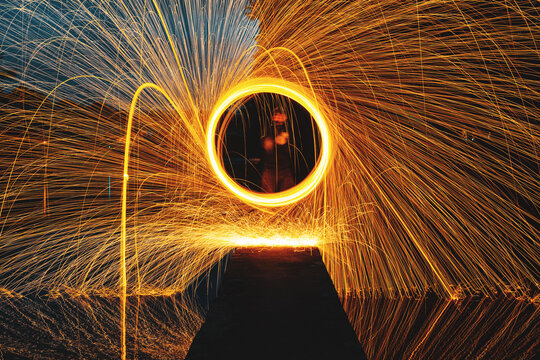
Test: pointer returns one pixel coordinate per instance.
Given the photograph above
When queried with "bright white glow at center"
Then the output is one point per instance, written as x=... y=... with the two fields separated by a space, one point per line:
x=244 y=241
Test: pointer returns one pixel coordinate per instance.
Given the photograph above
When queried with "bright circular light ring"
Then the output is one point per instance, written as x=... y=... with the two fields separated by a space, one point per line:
x=293 y=92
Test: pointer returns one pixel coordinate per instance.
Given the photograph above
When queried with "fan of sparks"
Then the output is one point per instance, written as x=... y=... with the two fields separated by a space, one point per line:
x=431 y=111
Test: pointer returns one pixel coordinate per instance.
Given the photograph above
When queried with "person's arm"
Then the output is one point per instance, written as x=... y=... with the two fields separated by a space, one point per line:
x=268 y=144
x=282 y=138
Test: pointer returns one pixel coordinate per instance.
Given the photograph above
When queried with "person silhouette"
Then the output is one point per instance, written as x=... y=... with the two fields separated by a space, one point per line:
x=277 y=173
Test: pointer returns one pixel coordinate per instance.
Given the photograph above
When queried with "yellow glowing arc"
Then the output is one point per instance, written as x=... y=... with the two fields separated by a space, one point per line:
x=293 y=92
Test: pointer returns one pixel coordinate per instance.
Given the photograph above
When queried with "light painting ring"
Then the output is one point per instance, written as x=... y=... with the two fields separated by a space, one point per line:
x=294 y=92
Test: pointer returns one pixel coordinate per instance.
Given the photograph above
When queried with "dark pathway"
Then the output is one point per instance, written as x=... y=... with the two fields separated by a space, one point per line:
x=276 y=303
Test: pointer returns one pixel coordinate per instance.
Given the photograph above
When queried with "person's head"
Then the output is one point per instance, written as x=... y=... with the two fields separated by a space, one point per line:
x=279 y=116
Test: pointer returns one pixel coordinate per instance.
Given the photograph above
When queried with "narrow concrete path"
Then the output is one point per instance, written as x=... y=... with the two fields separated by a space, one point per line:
x=276 y=303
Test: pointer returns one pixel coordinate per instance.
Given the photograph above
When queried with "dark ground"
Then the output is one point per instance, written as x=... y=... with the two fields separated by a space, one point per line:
x=276 y=303
x=273 y=304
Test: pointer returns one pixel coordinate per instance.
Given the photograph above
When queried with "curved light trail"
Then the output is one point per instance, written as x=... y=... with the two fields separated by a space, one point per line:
x=294 y=92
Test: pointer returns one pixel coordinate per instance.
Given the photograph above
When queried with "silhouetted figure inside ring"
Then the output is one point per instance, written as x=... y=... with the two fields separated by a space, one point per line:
x=277 y=173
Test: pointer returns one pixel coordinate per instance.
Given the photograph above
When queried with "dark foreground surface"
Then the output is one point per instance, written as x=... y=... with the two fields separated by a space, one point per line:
x=276 y=303
x=71 y=326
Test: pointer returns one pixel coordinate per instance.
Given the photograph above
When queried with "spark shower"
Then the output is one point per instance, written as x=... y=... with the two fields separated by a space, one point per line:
x=429 y=178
